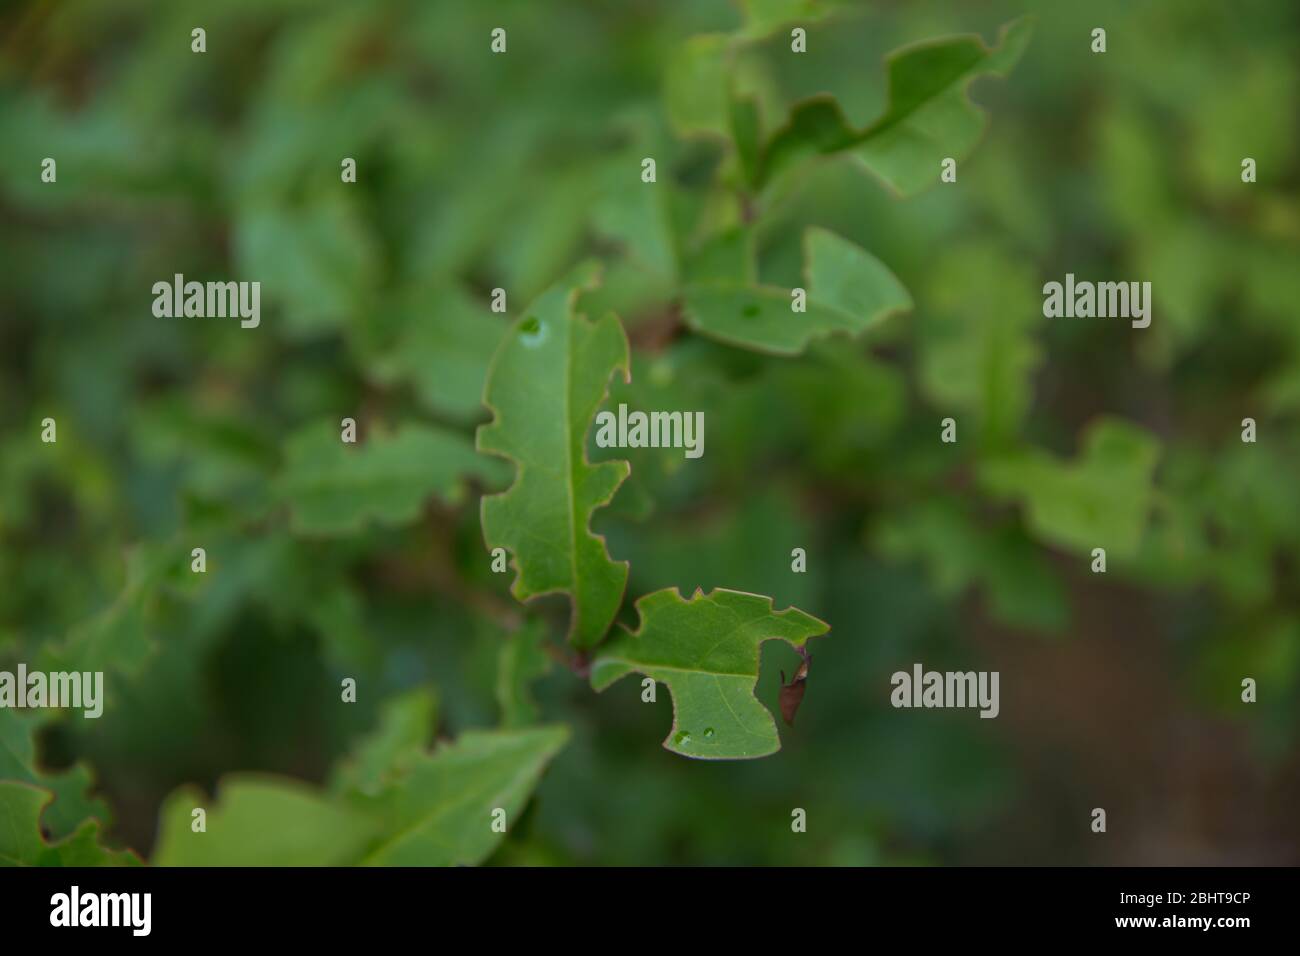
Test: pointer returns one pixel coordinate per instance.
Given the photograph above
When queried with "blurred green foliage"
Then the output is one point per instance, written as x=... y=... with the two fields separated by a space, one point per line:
x=478 y=171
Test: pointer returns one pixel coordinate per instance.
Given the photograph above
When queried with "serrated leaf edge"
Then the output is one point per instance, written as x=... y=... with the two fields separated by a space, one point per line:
x=571 y=301
x=697 y=595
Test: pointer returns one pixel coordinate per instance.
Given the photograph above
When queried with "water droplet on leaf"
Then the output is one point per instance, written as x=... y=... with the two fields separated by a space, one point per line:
x=532 y=331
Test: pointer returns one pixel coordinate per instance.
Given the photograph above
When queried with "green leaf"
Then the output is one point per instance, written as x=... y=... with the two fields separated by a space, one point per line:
x=405 y=726
x=706 y=650
x=1018 y=582
x=393 y=803
x=520 y=661
x=548 y=378
x=1102 y=500
x=763 y=17
x=726 y=258
x=976 y=330
x=847 y=280
x=695 y=85
x=548 y=230
x=22 y=842
x=315 y=262
x=120 y=637
x=442 y=350
x=261 y=821
x=929 y=116
x=637 y=219
x=848 y=290
x=746 y=125
x=334 y=488
x=68 y=788
x=441 y=813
